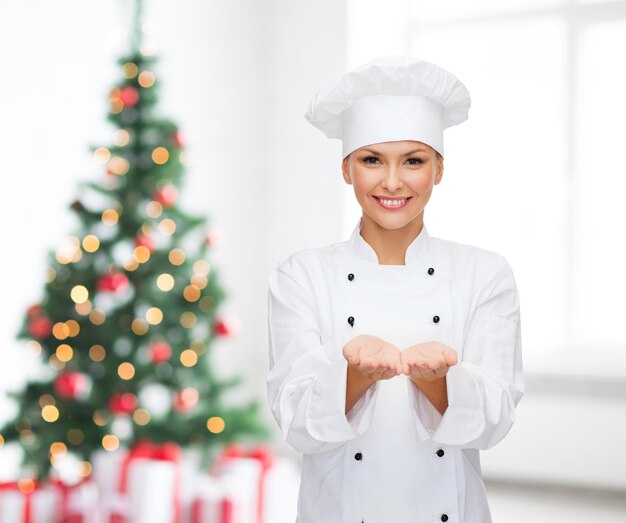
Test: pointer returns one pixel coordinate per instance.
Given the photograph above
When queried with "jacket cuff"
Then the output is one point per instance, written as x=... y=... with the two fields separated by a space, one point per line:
x=464 y=419
x=325 y=418
x=426 y=417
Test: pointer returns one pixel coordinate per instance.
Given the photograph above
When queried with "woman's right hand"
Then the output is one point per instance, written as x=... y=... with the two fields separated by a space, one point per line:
x=373 y=358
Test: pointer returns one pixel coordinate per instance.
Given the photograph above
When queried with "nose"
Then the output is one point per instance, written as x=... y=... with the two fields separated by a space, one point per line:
x=392 y=180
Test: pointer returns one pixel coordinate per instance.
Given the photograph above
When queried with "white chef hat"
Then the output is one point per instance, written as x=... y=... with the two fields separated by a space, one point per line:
x=392 y=98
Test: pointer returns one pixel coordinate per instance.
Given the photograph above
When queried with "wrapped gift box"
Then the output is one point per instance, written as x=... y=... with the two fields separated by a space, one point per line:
x=141 y=484
x=20 y=505
x=264 y=488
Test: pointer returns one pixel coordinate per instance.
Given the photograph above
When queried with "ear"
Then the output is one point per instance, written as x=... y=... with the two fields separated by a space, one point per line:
x=439 y=168
x=345 y=169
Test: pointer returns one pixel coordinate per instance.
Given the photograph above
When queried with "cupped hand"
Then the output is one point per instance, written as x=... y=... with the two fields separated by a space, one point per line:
x=427 y=361
x=373 y=358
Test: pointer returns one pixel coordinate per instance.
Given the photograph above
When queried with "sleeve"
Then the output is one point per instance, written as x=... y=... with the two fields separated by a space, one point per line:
x=486 y=385
x=306 y=384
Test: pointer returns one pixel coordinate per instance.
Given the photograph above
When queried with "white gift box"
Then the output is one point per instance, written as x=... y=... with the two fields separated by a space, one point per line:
x=215 y=502
x=45 y=506
x=282 y=485
x=240 y=476
x=151 y=487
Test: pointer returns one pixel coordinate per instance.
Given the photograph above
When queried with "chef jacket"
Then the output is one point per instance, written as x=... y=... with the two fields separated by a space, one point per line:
x=393 y=458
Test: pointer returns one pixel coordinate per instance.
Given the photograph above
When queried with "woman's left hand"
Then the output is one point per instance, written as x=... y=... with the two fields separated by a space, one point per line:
x=427 y=361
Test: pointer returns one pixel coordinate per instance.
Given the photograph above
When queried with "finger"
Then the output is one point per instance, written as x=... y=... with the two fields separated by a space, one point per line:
x=450 y=356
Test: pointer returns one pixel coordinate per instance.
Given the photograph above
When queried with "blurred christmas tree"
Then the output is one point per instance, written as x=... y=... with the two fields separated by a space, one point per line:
x=130 y=306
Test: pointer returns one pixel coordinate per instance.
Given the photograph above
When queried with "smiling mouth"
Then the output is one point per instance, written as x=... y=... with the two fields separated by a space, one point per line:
x=392 y=203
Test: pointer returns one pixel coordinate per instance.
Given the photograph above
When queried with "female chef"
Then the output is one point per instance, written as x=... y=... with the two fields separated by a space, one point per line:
x=394 y=356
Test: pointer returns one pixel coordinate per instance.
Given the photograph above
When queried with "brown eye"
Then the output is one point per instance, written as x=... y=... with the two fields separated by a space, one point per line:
x=417 y=160
x=367 y=158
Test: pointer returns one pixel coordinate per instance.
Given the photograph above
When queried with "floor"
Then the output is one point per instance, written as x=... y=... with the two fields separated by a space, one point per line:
x=535 y=504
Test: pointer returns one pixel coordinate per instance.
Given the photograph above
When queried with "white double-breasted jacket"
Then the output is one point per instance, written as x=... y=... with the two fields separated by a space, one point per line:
x=393 y=458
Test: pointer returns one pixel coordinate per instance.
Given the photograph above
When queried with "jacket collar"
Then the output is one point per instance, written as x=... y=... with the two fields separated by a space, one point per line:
x=414 y=252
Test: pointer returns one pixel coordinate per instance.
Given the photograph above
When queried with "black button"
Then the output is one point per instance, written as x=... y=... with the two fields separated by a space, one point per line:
x=351 y=321
x=444 y=517
x=440 y=452
x=351 y=276
x=358 y=456
x=431 y=270
x=436 y=319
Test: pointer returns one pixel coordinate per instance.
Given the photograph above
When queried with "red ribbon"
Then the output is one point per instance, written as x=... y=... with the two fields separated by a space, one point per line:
x=145 y=449
x=65 y=490
x=15 y=485
x=264 y=454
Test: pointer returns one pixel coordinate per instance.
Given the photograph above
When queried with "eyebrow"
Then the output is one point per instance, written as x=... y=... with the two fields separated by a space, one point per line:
x=421 y=149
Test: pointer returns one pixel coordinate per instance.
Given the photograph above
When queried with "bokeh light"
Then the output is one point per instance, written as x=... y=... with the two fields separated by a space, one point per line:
x=130 y=70
x=146 y=79
x=119 y=165
x=154 y=209
x=75 y=436
x=64 y=352
x=188 y=358
x=97 y=353
x=176 y=256
x=79 y=294
x=50 y=413
x=191 y=293
x=110 y=216
x=126 y=371
x=141 y=417
x=97 y=317
x=91 y=243
x=165 y=282
x=139 y=326
x=188 y=319
x=141 y=254
x=110 y=442
x=102 y=155
x=60 y=330
x=215 y=424
x=160 y=155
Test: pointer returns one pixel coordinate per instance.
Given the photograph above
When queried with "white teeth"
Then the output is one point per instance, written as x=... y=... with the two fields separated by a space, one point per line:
x=393 y=202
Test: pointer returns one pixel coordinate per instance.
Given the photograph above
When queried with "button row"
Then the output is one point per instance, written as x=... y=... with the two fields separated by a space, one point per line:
x=430 y=271
x=351 y=320
x=440 y=452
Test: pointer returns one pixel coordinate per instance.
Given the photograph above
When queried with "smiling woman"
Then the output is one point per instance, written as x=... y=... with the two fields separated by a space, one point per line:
x=392 y=183
x=394 y=356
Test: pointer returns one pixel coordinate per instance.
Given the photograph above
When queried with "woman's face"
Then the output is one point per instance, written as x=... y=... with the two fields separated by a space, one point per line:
x=393 y=170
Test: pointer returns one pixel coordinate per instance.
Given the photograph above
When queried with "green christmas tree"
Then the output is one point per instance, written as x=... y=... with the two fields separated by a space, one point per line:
x=130 y=305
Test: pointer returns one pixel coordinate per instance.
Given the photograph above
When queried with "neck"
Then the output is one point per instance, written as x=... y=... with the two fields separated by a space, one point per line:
x=390 y=245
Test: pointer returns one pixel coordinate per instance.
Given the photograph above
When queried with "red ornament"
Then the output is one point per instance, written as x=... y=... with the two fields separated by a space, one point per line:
x=222 y=328
x=211 y=238
x=186 y=399
x=166 y=195
x=146 y=241
x=129 y=96
x=160 y=352
x=34 y=310
x=112 y=282
x=123 y=403
x=177 y=139
x=40 y=327
x=71 y=385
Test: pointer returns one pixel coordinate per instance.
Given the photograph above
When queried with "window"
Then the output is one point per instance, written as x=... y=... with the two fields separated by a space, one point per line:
x=536 y=173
